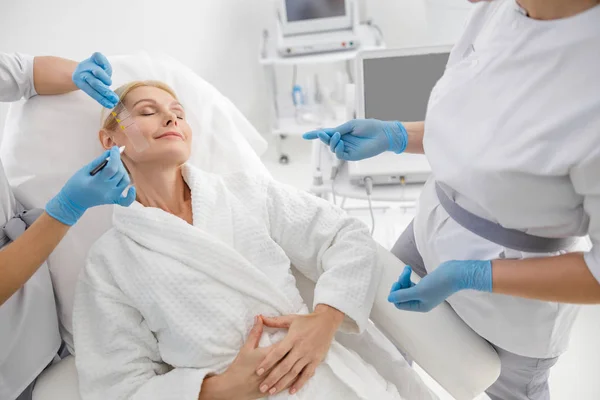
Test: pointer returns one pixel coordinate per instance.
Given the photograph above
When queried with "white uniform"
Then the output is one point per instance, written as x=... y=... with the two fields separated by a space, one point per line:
x=16 y=77
x=513 y=128
x=29 y=336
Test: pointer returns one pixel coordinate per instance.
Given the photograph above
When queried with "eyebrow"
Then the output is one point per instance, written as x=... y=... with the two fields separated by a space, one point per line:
x=175 y=103
x=142 y=100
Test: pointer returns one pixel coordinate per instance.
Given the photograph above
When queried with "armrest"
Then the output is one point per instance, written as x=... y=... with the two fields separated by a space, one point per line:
x=460 y=360
x=58 y=381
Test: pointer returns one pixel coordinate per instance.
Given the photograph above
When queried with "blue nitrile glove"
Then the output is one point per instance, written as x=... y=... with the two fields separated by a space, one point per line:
x=84 y=191
x=362 y=138
x=449 y=278
x=93 y=76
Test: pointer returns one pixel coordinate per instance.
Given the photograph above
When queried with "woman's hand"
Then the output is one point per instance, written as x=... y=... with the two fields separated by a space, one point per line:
x=239 y=381
x=83 y=191
x=294 y=360
x=362 y=138
x=447 y=279
x=93 y=76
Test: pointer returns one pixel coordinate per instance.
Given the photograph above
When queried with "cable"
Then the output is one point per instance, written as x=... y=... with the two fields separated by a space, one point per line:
x=295 y=76
x=334 y=172
x=264 y=52
x=373 y=25
x=317 y=155
x=349 y=72
x=333 y=192
x=317 y=178
x=369 y=190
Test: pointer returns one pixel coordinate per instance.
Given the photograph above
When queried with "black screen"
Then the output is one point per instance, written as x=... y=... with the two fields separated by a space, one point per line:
x=302 y=10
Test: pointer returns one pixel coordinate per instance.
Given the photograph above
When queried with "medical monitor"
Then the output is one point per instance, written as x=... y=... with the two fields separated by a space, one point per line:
x=394 y=85
x=310 y=16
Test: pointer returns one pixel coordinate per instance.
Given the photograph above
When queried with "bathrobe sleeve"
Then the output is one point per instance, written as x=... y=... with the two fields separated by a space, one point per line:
x=330 y=248
x=117 y=355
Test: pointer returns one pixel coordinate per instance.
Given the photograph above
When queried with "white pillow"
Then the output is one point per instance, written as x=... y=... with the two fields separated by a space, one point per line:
x=48 y=138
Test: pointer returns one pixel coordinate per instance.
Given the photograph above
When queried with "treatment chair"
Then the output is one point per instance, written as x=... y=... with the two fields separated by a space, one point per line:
x=38 y=163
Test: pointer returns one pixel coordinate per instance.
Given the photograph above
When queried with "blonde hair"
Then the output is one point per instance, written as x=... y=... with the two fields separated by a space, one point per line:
x=108 y=122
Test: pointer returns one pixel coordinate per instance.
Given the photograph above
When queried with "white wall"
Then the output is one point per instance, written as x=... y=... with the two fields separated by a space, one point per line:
x=219 y=39
x=419 y=22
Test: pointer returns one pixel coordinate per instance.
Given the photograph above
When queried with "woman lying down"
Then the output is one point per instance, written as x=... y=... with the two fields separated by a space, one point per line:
x=190 y=295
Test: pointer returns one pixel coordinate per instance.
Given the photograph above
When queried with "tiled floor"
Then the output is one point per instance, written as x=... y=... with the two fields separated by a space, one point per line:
x=577 y=374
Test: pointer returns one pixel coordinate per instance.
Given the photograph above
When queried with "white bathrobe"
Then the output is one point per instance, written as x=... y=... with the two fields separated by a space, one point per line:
x=162 y=303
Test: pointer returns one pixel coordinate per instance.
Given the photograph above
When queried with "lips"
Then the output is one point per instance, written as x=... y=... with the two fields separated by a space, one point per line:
x=170 y=134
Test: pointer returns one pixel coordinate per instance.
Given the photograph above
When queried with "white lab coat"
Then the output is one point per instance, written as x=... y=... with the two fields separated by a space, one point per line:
x=162 y=303
x=513 y=127
x=29 y=336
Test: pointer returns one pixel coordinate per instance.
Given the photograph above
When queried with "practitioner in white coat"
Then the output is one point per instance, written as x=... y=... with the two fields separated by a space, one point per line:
x=28 y=322
x=513 y=138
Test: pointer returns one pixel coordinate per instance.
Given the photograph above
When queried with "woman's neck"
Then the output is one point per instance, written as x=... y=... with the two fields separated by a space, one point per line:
x=164 y=188
x=555 y=9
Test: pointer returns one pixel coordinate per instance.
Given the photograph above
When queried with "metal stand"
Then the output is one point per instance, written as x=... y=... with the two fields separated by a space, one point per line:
x=283 y=125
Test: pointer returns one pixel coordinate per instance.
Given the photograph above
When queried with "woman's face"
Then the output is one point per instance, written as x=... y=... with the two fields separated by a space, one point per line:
x=161 y=122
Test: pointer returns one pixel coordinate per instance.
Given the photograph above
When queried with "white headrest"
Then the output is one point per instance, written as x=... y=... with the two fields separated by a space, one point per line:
x=48 y=138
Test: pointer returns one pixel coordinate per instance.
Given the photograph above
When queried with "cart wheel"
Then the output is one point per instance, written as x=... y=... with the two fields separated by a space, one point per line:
x=284 y=159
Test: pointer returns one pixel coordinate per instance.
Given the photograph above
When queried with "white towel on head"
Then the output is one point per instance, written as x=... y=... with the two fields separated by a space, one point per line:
x=162 y=303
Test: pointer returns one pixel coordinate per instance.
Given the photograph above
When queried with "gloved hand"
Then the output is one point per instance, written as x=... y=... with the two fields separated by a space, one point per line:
x=449 y=278
x=362 y=138
x=93 y=76
x=84 y=191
